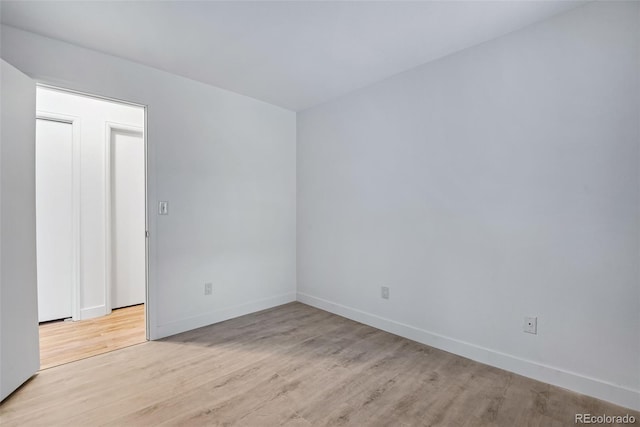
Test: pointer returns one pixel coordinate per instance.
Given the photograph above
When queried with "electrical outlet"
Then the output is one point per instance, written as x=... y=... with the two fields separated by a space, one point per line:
x=208 y=288
x=384 y=292
x=531 y=325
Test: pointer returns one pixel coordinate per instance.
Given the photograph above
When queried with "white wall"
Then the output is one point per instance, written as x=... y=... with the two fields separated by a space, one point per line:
x=225 y=163
x=19 y=353
x=94 y=119
x=497 y=183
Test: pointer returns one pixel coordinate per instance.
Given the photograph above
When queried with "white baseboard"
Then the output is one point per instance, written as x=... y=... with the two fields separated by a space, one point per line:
x=570 y=380
x=216 y=316
x=91 y=312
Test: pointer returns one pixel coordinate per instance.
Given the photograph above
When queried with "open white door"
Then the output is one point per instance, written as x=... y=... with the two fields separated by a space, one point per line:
x=54 y=219
x=19 y=346
x=126 y=223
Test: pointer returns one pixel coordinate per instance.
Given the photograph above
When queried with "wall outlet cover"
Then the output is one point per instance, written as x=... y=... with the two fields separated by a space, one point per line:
x=531 y=325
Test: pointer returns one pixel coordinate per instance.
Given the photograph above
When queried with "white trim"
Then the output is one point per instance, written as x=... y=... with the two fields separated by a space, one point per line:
x=108 y=285
x=92 y=312
x=76 y=265
x=559 y=377
x=223 y=314
x=147 y=227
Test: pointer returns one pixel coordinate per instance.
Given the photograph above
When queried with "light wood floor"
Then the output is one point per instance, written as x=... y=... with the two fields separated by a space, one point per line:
x=63 y=342
x=292 y=365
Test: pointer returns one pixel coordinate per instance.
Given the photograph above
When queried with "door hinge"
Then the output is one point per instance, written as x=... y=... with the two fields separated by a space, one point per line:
x=146 y=234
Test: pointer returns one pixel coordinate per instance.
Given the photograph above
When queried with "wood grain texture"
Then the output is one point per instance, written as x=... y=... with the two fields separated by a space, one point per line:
x=63 y=342
x=293 y=365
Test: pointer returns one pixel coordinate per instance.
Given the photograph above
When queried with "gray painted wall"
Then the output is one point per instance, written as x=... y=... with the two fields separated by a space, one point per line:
x=497 y=183
x=225 y=163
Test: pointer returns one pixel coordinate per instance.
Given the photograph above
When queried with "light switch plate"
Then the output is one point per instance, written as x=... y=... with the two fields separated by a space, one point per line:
x=163 y=208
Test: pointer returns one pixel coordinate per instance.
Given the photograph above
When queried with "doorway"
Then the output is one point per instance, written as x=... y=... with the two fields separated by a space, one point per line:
x=90 y=224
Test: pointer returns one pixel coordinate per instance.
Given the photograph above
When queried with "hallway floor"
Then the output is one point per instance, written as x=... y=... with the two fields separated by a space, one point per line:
x=65 y=341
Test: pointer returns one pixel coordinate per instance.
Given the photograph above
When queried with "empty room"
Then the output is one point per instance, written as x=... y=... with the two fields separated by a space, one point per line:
x=363 y=213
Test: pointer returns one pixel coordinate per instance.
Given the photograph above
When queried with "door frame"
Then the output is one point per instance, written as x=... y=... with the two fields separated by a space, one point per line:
x=76 y=265
x=146 y=195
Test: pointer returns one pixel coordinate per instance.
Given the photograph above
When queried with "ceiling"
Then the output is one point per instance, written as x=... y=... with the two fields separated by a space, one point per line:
x=294 y=54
